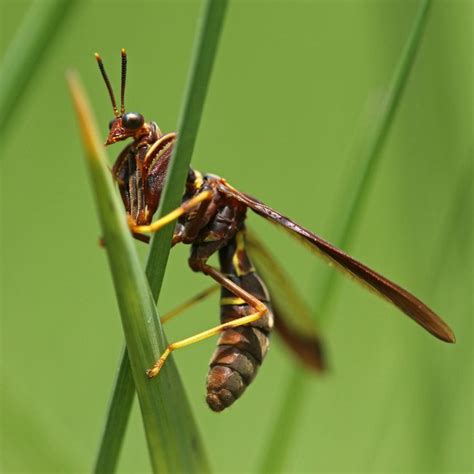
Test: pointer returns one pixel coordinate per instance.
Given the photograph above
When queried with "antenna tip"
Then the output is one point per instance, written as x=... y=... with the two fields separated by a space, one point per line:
x=124 y=53
x=97 y=56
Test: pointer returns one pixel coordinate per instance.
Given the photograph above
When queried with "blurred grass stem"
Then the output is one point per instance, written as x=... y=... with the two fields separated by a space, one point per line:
x=26 y=51
x=355 y=195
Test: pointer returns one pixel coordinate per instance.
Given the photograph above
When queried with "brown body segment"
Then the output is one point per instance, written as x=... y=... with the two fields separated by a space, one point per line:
x=240 y=351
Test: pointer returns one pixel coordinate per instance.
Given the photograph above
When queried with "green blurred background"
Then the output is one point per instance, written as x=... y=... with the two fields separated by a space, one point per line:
x=294 y=93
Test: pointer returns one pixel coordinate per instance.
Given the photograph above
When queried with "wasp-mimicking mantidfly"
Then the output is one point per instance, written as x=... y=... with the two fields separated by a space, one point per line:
x=211 y=219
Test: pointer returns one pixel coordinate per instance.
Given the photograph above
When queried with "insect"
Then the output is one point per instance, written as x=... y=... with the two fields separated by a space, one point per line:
x=211 y=219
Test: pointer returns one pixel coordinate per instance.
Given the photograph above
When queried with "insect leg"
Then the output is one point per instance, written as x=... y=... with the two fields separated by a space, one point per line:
x=185 y=207
x=187 y=304
x=260 y=308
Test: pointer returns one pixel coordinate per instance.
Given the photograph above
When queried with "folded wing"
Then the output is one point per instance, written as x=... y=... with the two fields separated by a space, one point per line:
x=385 y=288
x=293 y=320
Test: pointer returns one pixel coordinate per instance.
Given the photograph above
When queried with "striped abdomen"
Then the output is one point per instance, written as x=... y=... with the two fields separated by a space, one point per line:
x=240 y=350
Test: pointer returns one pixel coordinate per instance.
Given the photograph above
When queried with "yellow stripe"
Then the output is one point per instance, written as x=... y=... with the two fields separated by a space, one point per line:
x=242 y=273
x=198 y=181
x=232 y=301
x=170 y=138
x=160 y=154
x=235 y=259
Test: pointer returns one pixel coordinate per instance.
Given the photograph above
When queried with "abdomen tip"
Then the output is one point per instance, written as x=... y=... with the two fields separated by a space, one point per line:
x=219 y=400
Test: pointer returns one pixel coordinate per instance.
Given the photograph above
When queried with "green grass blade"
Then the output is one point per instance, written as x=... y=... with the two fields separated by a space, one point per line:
x=203 y=57
x=458 y=217
x=117 y=418
x=453 y=248
x=25 y=53
x=173 y=441
x=276 y=451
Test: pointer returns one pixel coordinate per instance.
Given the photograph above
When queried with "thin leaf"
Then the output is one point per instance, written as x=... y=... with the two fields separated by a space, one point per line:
x=453 y=247
x=279 y=440
x=26 y=51
x=204 y=53
x=458 y=217
x=117 y=418
x=209 y=29
x=173 y=441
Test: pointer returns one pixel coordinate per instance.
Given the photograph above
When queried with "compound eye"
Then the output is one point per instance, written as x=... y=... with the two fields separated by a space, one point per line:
x=133 y=120
x=111 y=123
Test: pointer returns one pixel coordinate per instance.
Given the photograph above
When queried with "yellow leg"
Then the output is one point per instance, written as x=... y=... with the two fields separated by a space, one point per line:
x=187 y=304
x=153 y=372
x=261 y=309
x=186 y=207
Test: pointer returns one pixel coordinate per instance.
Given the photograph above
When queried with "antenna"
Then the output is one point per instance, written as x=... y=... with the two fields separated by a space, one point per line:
x=124 y=78
x=107 y=83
